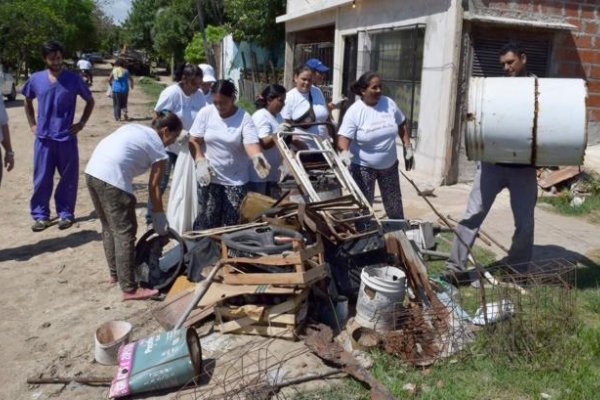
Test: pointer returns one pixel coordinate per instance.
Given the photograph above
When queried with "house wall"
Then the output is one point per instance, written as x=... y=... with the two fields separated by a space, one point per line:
x=576 y=54
x=443 y=23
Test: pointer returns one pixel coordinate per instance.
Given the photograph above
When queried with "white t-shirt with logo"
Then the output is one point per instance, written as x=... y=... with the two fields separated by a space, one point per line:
x=266 y=124
x=185 y=107
x=224 y=140
x=297 y=104
x=124 y=154
x=373 y=131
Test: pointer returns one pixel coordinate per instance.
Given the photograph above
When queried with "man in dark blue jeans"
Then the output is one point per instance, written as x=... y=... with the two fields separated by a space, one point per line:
x=490 y=179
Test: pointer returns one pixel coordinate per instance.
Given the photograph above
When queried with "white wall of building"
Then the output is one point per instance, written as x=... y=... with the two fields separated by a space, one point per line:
x=443 y=24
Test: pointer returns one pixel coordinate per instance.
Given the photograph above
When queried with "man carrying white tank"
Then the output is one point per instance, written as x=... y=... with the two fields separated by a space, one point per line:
x=490 y=179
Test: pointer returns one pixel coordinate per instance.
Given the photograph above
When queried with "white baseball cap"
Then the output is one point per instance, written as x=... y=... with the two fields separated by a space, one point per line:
x=208 y=73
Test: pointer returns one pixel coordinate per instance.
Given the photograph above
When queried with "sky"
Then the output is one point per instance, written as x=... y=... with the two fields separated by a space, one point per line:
x=117 y=9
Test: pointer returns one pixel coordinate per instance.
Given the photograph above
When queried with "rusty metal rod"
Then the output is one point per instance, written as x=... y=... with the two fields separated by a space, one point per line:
x=64 y=380
x=481 y=234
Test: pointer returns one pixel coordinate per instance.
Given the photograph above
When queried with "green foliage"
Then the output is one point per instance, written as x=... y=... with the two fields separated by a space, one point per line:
x=254 y=21
x=151 y=88
x=591 y=205
x=139 y=24
x=195 y=52
x=170 y=33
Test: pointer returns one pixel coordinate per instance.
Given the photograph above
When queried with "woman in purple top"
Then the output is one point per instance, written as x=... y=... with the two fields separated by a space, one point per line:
x=55 y=146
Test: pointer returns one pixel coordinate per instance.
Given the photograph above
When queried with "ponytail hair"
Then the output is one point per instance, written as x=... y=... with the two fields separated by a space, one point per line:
x=269 y=93
x=362 y=83
x=168 y=119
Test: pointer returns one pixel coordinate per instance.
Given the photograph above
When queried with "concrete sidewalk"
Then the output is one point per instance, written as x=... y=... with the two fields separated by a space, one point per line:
x=556 y=236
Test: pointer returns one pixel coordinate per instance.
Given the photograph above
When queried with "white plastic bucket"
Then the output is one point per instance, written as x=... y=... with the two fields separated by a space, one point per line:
x=540 y=121
x=381 y=292
x=108 y=338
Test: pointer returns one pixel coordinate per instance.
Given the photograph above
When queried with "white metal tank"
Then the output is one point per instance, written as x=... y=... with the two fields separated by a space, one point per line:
x=539 y=121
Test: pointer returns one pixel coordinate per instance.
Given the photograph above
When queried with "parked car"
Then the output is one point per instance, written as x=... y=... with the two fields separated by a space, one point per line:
x=7 y=82
x=136 y=62
x=93 y=56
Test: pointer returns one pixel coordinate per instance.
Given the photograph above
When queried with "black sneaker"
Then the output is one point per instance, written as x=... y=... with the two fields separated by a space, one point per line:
x=65 y=223
x=40 y=225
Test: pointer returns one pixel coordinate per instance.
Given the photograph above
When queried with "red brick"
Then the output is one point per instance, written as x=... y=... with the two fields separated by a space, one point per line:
x=593 y=86
x=574 y=21
x=591 y=27
x=584 y=41
x=588 y=12
x=594 y=115
x=594 y=72
x=589 y=56
x=593 y=100
x=572 y=10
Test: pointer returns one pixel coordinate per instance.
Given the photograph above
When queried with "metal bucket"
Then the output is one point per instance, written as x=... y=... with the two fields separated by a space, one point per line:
x=381 y=292
x=170 y=360
x=538 y=121
x=108 y=338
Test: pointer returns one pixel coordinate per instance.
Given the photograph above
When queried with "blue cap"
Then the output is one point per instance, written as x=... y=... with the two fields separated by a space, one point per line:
x=316 y=65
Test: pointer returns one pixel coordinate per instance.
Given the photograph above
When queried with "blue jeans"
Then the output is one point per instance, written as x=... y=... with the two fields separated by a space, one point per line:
x=164 y=182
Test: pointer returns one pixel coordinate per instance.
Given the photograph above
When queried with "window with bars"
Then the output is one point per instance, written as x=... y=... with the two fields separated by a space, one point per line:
x=397 y=56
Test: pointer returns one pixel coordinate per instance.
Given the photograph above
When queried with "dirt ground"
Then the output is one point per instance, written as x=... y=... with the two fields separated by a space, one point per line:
x=54 y=284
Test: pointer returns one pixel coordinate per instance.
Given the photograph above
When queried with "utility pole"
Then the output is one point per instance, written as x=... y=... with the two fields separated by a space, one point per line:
x=208 y=51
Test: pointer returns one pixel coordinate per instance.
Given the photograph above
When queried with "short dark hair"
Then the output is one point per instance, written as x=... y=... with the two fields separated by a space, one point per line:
x=226 y=87
x=52 y=46
x=301 y=68
x=119 y=62
x=269 y=93
x=189 y=71
x=362 y=82
x=514 y=47
x=168 y=119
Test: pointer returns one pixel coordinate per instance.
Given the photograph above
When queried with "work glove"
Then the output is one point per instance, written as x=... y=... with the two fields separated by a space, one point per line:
x=160 y=223
x=261 y=165
x=183 y=138
x=284 y=127
x=346 y=157
x=203 y=172
x=409 y=159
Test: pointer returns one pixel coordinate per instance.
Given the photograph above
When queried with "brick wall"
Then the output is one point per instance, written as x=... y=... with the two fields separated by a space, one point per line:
x=576 y=53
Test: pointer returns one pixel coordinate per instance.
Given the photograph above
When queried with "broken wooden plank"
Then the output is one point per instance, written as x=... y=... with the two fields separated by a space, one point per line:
x=553 y=178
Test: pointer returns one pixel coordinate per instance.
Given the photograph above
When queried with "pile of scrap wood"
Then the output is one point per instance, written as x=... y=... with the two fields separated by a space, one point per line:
x=251 y=293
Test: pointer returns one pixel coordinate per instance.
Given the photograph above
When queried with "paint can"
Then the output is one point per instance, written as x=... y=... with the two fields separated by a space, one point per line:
x=381 y=293
x=108 y=338
x=171 y=359
x=538 y=121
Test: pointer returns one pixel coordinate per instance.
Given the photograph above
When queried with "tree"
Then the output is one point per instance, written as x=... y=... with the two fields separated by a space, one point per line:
x=194 y=52
x=171 y=34
x=254 y=21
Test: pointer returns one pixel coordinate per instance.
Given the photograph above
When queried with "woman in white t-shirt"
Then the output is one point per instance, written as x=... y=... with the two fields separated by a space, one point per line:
x=184 y=99
x=225 y=146
x=305 y=103
x=267 y=119
x=126 y=153
x=367 y=140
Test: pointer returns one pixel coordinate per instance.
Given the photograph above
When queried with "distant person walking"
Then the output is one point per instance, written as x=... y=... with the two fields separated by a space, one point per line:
x=126 y=153
x=55 y=145
x=9 y=156
x=85 y=66
x=121 y=82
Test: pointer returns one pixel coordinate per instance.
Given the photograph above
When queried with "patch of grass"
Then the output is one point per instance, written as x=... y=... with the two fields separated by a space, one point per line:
x=151 y=88
x=444 y=240
x=566 y=366
x=562 y=202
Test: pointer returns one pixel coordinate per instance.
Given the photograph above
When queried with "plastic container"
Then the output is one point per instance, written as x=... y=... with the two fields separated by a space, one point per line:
x=381 y=293
x=539 y=121
x=108 y=338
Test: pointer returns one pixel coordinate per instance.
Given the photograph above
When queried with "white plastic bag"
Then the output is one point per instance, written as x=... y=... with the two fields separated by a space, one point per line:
x=109 y=91
x=183 y=198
